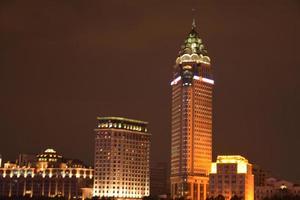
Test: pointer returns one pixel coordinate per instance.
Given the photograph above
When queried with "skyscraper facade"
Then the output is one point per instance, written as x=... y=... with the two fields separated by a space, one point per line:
x=191 y=128
x=122 y=148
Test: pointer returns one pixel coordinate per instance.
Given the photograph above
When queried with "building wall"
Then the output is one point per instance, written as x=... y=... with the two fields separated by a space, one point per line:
x=191 y=145
x=260 y=175
x=191 y=126
x=159 y=176
x=122 y=160
x=275 y=187
x=48 y=182
x=230 y=176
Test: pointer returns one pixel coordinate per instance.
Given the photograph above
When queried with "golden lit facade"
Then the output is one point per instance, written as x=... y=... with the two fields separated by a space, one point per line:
x=122 y=150
x=191 y=128
x=44 y=178
x=231 y=176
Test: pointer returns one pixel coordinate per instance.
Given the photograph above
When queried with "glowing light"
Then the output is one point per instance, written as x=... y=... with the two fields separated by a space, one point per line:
x=197 y=77
x=206 y=80
x=283 y=187
x=50 y=151
x=213 y=168
x=236 y=159
x=241 y=168
x=175 y=81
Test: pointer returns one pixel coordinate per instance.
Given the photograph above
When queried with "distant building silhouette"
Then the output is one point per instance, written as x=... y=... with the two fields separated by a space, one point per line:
x=276 y=187
x=159 y=179
x=260 y=175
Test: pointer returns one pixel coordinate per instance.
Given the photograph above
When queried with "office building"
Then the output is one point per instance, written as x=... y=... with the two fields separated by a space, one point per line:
x=122 y=148
x=231 y=176
x=191 y=126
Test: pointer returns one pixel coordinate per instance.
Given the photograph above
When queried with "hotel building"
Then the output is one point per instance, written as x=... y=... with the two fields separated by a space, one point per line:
x=122 y=148
x=191 y=126
x=50 y=176
x=231 y=176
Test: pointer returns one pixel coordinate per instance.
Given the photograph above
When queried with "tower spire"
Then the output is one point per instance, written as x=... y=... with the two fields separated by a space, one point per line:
x=194 y=21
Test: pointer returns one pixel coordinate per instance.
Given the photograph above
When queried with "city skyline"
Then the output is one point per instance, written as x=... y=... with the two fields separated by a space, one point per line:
x=62 y=65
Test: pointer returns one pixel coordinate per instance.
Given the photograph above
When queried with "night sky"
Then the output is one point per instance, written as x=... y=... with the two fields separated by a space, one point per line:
x=62 y=63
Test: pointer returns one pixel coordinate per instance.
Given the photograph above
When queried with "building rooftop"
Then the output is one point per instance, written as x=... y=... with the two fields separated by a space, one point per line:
x=231 y=159
x=122 y=123
x=193 y=43
x=240 y=161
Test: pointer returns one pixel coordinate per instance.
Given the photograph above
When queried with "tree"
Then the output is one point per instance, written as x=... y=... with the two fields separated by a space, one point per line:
x=220 y=197
x=235 y=198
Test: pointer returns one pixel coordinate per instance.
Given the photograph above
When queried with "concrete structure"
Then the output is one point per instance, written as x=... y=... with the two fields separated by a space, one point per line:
x=230 y=176
x=191 y=136
x=276 y=187
x=48 y=178
x=122 y=148
x=260 y=175
x=27 y=160
x=159 y=176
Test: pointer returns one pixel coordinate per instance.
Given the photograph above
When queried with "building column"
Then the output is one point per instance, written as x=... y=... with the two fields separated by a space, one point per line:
x=24 y=187
x=191 y=190
x=56 y=185
x=9 y=193
x=63 y=187
x=49 y=192
x=43 y=187
x=69 y=189
x=31 y=188
x=205 y=189
x=198 y=188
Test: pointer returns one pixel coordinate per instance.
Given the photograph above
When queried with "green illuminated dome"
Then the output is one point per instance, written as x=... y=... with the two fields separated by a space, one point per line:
x=193 y=44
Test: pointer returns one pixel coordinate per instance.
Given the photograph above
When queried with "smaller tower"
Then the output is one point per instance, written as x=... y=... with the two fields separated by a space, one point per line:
x=122 y=148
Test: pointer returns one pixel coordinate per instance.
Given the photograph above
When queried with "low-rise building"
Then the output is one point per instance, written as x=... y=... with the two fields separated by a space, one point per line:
x=276 y=187
x=231 y=176
x=50 y=177
x=260 y=175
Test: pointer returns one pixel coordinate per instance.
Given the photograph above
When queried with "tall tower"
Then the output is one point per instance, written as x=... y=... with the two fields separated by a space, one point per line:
x=191 y=145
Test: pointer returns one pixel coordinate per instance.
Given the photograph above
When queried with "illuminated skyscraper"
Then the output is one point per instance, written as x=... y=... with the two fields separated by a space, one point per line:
x=122 y=148
x=191 y=144
x=231 y=176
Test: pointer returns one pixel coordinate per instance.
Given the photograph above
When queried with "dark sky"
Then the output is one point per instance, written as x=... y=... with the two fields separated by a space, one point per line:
x=62 y=63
